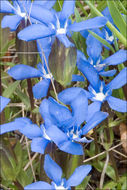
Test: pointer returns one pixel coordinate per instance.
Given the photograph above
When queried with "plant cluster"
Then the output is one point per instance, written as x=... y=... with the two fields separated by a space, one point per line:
x=82 y=58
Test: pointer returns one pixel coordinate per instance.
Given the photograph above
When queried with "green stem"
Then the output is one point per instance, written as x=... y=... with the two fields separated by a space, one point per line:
x=109 y=25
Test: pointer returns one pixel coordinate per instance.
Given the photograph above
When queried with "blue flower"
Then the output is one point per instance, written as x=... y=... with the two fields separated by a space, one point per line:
x=64 y=126
x=95 y=58
x=100 y=92
x=20 y=10
x=38 y=135
x=107 y=33
x=57 y=24
x=21 y=72
x=54 y=172
x=3 y=102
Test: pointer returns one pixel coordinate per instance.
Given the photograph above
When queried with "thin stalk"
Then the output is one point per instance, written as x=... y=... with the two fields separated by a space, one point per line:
x=109 y=25
x=102 y=153
x=104 y=170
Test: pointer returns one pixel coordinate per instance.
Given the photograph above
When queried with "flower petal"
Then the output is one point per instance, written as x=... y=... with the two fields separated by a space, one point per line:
x=19 y=123
x=80 y=108
x=52 y=169
x=80 y=55
x=68 y=9
x=92 y=23
x=119 y=81
x=90 y=73
x=59 y=112
x=40 y=90
x=38 y=185
x=107 y=14
x=117 y=104
x=92 y=109
x=31 y=131
x=79 y=174
x=34 y=32
x=71 y=148
x=63 y=38
x=56 y=135
x=108 y=73
x=117 y=58
x=11 y=21
x=67 y=95
x=3 y=102
x=6 y=7
x=97 y=118
x=39 y=145
x=94 y=53
x=42 y=14
x=20 y=72
x=76 y=78
x=44 y=111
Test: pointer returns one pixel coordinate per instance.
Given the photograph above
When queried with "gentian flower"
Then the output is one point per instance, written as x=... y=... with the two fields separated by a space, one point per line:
x=54 y=172
x=64 y=126
x=20 y=10
x=25 y=126
x=57 y=24
x=21 y=72
x=100 y=92
x=107 y=33
x=3 y=102
x=95 y=58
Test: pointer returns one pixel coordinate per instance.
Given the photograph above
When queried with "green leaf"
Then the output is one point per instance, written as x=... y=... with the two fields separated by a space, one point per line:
x=62 y=62
x=24 y=98
x=10 y=89
x=110 y=171
x=19 y=155
x=102 y=40
x=117 y=17
x=7 y=163
x=25 y=179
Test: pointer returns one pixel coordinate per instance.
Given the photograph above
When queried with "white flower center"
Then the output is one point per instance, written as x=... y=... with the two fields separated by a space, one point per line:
x=61 y=31
x=110 y=38
x=60 y=187
x=48 y=76
x=99 y=96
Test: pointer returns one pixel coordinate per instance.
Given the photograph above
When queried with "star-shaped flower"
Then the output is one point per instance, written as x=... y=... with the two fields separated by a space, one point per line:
x=54 y=172
x=57 y=24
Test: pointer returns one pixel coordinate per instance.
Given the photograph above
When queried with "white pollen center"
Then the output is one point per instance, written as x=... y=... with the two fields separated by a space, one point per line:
x=59 y=187
x=99 y=96
x=61 y=31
